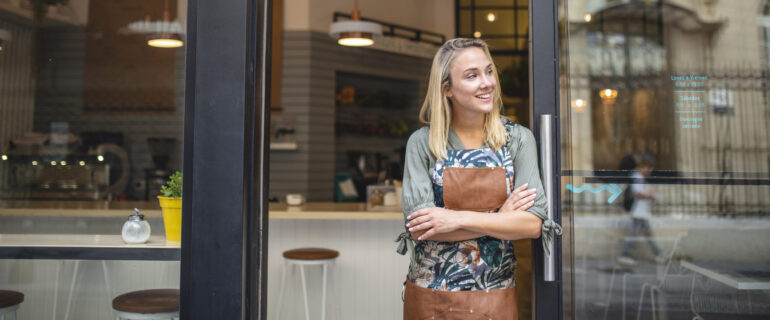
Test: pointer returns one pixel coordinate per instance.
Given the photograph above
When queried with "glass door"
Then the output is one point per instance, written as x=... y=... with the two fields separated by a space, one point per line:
x=665 y=155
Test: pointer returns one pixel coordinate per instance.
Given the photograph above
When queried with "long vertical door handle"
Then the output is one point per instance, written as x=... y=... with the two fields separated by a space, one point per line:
x=546 y=165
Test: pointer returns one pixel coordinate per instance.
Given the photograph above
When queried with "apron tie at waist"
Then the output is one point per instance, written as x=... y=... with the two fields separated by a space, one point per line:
x=406 y=244
x=403 y=240
x=549 y=231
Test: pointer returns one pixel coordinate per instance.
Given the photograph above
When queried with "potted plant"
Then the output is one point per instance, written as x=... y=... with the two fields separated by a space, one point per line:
x=171 y=206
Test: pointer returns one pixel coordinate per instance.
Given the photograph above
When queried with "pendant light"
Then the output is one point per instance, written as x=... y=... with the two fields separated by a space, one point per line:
x=165 y=38
x=608 y=95
x=355 y=33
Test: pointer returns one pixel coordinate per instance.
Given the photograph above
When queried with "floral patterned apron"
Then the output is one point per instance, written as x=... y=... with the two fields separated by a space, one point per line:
x=479 y=264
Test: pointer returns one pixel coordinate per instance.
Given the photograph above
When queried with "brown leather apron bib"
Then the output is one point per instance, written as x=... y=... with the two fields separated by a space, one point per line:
x=422 y=303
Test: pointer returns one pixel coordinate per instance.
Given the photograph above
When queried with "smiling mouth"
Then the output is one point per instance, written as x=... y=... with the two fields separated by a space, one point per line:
x=484 y=96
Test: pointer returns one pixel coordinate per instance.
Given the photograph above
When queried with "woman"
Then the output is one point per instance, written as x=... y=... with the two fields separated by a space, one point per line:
x=471 y=184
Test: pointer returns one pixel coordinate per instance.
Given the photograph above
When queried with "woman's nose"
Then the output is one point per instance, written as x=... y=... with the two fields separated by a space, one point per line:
x=486 y=81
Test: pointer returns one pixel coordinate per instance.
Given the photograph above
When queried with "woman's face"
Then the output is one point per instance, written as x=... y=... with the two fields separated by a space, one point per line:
x=473 y=82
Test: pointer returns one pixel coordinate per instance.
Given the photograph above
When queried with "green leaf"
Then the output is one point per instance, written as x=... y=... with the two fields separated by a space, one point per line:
x=173 y=187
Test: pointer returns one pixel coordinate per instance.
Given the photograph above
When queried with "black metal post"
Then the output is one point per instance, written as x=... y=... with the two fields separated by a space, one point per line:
x=223 y=266
x=544 y=73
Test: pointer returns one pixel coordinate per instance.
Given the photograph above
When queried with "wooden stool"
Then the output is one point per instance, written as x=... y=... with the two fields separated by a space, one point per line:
x=9 y=303
x=302 y=257
x=147 y=304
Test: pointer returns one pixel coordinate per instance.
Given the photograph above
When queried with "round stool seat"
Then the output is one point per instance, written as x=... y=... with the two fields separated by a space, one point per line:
x=310 y=254
x=148 y=301
x=10 y=298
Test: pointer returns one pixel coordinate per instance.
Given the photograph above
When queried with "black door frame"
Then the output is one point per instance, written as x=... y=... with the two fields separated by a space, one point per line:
x=224 y=224
x=544 y=90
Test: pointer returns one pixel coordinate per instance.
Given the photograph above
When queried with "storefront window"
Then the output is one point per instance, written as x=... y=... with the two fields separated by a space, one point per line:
x=665 y=111
x=91 y=116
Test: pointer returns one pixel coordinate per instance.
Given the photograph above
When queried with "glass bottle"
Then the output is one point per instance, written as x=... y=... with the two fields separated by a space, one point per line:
x=136 y=230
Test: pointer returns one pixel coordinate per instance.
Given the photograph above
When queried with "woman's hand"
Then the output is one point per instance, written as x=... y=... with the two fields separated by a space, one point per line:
x=433 y=221
x=520 y=199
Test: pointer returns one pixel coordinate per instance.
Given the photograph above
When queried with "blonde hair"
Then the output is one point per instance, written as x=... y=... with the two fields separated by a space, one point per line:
x=436 y=110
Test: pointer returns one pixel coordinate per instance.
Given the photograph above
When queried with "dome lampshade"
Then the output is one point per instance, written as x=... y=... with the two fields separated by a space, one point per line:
x=355 y=33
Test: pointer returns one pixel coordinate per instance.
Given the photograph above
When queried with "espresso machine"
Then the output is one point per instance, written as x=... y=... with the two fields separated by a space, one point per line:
x=61 y=166
x=160 y=150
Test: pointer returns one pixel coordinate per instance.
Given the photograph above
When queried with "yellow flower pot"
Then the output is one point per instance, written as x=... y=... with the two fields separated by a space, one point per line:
x=172 y=217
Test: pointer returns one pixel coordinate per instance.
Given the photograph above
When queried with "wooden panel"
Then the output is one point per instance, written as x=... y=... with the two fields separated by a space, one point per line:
x=276 y=56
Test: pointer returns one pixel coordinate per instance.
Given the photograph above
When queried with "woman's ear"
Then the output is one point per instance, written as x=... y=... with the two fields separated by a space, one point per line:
x=447 y=91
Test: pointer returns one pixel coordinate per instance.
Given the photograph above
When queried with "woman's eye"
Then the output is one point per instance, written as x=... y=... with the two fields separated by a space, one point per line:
x=471 y=76
x=489 y=72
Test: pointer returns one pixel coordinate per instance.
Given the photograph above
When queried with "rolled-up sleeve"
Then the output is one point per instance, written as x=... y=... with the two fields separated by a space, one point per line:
x=526 y=170
x=418 y=187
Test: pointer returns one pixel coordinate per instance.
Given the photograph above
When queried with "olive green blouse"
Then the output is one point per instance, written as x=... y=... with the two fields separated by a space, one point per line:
x=418 y=188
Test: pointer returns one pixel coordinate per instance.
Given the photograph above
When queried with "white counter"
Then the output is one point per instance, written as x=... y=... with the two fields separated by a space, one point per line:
x=104 y=209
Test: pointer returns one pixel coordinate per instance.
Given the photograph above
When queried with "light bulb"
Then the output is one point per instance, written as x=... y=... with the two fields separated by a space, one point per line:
x=165 y=43
x=355 y=42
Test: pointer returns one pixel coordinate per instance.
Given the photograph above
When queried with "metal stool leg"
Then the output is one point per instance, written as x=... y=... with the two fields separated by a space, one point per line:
x=72 y=289
x=323 y=293
x=304 y=291
x=327 y=284
x=283 y=286
x=9 y=312
x=56 y=288
x=335 y=287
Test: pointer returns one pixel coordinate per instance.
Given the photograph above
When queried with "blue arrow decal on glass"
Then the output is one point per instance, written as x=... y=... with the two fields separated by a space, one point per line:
x=614 y=189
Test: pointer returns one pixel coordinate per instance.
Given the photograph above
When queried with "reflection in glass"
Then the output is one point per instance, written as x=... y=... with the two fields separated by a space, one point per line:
x=669 y=166
x=90 y=126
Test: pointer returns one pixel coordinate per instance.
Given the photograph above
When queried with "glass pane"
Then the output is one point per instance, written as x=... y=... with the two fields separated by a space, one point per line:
x=522 y=44
x=501 y=43
x=466 y=27
x=514 y=84
x=667 y=166
x=482 y=3
x=522 y=23
x=495 y=22
x=91 y=117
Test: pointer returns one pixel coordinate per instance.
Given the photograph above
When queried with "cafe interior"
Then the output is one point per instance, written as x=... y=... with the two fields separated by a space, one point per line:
x=94 y=137
x=91 y=125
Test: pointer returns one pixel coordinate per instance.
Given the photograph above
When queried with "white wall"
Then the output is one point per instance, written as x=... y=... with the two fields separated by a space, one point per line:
x=429 y=15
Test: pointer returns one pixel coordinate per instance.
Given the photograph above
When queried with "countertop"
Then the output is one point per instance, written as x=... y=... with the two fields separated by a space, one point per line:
x=85 y=247
x=81 y=240
x=93 y=209
x=111 y=247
